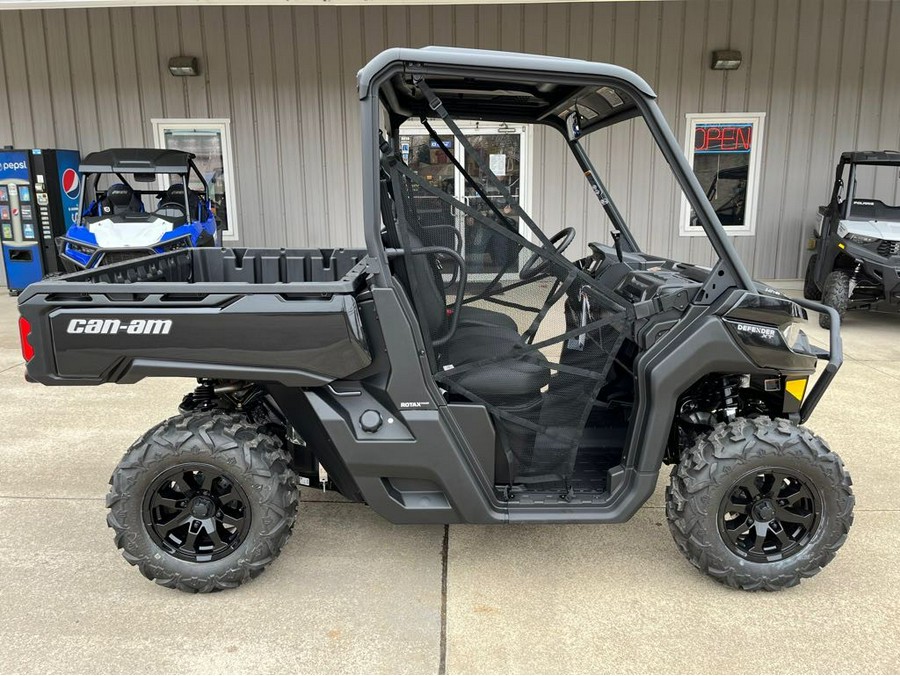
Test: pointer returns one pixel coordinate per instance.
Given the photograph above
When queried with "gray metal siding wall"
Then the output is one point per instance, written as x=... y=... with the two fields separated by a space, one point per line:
x=826 y=73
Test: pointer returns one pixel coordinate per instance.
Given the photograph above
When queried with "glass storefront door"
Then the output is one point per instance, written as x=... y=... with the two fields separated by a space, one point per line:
x=503 y=149
x=488 y=252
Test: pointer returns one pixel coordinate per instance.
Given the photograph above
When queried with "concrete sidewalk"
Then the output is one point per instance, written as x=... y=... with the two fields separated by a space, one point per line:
x=353 y=593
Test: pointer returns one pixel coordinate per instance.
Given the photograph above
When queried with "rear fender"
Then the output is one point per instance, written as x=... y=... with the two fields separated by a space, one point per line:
x=294 y=405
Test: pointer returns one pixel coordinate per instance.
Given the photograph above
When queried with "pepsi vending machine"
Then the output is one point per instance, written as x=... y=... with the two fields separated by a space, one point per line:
x=38 y=201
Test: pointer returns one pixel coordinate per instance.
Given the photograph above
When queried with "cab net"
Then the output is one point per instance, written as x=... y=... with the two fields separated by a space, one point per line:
x=509 y=323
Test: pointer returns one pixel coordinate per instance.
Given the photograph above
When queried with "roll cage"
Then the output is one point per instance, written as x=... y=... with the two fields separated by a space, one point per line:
x=554 y=350
x=573 y=97
x=843 y=204
x=144 y=162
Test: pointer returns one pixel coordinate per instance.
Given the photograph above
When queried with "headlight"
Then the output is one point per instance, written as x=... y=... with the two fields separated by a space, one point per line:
x=860 y=239
x=80 y=248
x=792 y=333
x=797 y=340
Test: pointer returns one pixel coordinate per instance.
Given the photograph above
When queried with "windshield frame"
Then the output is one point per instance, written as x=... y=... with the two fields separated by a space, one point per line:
x=850 y=187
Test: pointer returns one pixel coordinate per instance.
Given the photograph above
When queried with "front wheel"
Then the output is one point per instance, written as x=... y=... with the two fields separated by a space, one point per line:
x=810 y=288
x=759 y=504
x=203 y=501
x=836 y=294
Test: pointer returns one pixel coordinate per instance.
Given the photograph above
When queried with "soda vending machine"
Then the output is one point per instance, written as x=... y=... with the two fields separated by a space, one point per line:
x=38 y=201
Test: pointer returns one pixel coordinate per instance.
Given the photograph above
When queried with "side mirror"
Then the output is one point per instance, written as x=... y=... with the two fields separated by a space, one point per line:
x=573 y=125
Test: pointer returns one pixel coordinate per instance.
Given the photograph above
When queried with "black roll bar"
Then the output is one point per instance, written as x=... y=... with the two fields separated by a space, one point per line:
x=835 y=356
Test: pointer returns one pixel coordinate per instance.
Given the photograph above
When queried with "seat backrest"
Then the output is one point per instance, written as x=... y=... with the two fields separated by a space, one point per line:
x=173 y=211
x=419 y=273
x=388 y=215
x=120 y=199
x=427 y=288
x=196 y=203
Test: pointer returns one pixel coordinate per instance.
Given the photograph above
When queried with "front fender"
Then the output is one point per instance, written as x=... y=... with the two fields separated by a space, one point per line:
x=698 y=346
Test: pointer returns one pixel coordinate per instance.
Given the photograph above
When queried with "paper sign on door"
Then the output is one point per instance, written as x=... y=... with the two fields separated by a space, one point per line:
x=498 y=164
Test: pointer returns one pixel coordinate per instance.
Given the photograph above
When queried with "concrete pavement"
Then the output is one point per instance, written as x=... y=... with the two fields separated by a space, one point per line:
x=352 y=593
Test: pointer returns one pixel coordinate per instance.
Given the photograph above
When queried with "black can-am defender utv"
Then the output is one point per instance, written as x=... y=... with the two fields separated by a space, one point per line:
x=538 y=389
x=856 y=259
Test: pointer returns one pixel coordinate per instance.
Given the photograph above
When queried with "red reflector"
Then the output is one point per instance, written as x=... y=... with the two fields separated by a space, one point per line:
x=24 y=332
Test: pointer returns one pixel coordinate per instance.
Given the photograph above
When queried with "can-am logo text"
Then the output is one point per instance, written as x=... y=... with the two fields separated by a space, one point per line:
x=141 y=327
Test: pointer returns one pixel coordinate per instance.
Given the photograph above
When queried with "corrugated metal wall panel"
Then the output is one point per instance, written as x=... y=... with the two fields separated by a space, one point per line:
x=827 y=75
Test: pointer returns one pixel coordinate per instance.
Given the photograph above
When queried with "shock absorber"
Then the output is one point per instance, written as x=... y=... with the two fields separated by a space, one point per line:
x=203 y=398
x=854 y=280
x=730 y=397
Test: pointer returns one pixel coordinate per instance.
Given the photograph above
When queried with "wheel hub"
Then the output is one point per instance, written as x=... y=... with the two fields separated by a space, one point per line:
x=769 y=514
x=763 y=510
x=202 y=507
x=196 y=512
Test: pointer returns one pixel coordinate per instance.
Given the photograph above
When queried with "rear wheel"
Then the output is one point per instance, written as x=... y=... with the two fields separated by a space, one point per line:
x=810 y=289
x=836 y=294
x=759 y=504
x=203 y=501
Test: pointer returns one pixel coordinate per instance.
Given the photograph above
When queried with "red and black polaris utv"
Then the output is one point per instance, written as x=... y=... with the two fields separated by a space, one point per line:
x=539 y=389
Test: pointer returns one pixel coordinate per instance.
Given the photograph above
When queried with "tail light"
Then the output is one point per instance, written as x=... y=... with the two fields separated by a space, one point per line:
x=24 y=333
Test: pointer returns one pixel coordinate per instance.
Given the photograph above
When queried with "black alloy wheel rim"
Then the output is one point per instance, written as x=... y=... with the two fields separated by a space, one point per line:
x=769 y=514
x=196 y=512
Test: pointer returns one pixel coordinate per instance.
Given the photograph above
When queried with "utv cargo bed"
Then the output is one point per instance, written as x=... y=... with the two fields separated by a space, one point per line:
x=282 y=315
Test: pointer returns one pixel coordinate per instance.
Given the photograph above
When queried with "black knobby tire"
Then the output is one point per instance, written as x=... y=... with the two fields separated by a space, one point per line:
x=836 y=294
x=257 y=478
x=810 y=289
x=703 y=483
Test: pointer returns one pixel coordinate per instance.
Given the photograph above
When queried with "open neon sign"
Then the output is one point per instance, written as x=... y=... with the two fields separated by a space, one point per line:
x=723 y=138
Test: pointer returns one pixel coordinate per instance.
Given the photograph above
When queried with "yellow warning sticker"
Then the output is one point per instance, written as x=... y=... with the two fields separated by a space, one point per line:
x=796 y=388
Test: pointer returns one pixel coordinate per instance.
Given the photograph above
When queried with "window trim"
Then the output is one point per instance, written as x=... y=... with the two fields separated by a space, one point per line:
x=748 y=229
x=218 y=124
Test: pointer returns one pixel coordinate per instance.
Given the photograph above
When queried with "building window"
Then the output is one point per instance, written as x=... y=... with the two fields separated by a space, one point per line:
x=725 y=151
x=210 y=141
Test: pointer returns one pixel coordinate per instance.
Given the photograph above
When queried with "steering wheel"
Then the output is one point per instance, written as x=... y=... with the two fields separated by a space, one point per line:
x=538 y=262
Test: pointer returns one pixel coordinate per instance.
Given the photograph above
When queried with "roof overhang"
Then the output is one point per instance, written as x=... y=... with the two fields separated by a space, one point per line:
x=136 y=161
x=478 y=84
x=876 y=157
x=82 y=4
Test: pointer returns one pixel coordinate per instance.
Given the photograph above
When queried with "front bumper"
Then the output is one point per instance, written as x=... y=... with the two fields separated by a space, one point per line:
x=77 y=255
x=888 y=276
x=882 y=271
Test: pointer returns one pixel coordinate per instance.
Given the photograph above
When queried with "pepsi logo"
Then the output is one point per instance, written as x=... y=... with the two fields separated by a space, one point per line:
x=70 y=183
x=14 y=166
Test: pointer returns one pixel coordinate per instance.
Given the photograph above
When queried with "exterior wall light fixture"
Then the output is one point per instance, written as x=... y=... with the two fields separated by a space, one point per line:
x=184 y=66
x=726 y=59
